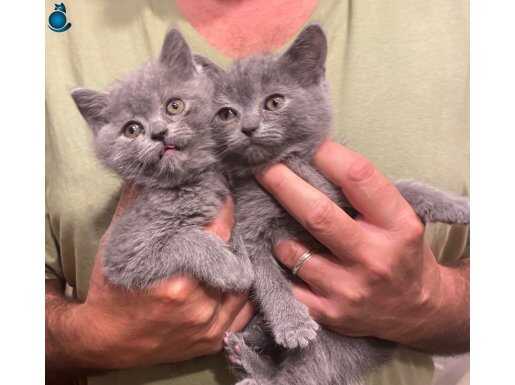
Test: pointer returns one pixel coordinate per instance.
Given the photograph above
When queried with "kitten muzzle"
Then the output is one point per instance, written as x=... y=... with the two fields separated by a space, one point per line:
x=168 y=149
x=170 y=146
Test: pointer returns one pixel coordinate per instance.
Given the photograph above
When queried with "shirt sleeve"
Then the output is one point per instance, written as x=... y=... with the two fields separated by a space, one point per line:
x=53 y=265
x=449 y=243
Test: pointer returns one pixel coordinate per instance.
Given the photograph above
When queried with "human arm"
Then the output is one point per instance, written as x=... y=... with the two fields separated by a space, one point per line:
x=380 y=277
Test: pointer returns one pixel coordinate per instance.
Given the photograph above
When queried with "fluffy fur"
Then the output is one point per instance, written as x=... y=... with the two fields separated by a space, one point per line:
x=283 y=345
x=169 y=153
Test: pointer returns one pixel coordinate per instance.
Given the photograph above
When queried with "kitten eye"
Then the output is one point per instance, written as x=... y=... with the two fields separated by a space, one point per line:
x=133 y=129
x=227 y=114
x=274 y=102
x=175 y=106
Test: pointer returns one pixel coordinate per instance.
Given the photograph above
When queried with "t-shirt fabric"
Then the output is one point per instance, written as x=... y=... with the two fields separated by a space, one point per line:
x=398 y=74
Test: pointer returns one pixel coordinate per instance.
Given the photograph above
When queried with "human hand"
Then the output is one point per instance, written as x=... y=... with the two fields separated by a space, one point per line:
x=380 y=277
x=177 y=320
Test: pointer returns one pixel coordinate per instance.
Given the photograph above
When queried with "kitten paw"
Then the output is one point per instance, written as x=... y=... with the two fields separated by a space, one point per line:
x=293 y=336
x=461 y=211
x=233 y=347
x=246 y=362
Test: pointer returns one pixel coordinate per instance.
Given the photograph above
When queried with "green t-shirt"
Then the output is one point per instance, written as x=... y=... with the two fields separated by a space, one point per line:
x=398 y=73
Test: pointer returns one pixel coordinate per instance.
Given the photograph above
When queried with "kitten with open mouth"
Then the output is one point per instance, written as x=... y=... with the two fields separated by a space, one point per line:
x=151 y=129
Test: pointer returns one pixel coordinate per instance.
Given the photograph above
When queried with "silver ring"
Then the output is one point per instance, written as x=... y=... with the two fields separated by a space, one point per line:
x=301 y=261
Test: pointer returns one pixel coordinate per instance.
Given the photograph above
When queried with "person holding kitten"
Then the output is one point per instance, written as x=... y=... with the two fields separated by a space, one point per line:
x=385 y=107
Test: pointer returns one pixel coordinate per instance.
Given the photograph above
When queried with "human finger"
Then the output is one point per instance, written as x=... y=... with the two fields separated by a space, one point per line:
x=313 y=209
x=231 y=306
x=224 y=222
x=369 y=192
x=314 y=302
x=128 y=195
x=243 y=318
x=317 y=271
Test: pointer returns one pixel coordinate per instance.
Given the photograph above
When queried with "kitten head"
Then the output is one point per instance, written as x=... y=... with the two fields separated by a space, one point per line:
x=151 y=127
x=273 y=107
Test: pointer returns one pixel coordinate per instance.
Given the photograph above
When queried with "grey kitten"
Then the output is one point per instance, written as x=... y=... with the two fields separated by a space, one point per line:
x=152 y=129
x=276 y=109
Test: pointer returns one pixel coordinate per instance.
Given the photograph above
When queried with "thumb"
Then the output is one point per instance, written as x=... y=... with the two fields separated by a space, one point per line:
x=243 y=318
x=224 y=222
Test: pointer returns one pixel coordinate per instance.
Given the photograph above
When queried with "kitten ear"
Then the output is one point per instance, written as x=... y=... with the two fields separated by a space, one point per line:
x=305 y=59
x=208 y=66
x=91 y=105
x=176 y=54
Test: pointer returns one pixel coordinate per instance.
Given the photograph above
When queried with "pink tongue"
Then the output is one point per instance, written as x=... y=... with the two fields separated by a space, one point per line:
x=168 y=149
x=242 y=28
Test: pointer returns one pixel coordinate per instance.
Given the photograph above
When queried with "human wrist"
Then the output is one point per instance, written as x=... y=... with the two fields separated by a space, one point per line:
x=100 y=339
x=441 y=324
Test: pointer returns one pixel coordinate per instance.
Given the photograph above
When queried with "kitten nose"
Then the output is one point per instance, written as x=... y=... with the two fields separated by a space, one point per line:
x=159 y=131
x=249 y=130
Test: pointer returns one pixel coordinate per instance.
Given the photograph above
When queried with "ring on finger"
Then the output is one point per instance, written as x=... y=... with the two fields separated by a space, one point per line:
x=301 y=261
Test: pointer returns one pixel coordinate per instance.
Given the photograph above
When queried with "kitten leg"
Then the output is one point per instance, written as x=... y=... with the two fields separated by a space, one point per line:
x=252 y=337
x=433 y=205
x=247 y=363
x=299 y=366
x=256 y=337
x=289 y=320
x=207 y=258
x=195 y=252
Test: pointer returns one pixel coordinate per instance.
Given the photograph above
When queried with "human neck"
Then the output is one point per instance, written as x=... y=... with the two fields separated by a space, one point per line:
x=240 y=28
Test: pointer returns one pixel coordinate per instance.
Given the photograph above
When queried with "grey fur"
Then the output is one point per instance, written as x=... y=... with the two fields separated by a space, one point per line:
x=181 y=190
x=284 y=345
x=433 y=205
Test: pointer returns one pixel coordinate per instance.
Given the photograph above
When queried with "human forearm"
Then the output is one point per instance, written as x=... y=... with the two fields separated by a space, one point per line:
x=68 y=348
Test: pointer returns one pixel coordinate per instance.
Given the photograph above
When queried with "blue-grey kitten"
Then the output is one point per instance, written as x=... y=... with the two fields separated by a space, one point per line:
x=152 y=129
x=276 y=109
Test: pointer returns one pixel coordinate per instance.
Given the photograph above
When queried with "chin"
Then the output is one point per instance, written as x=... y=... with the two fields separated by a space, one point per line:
x=168 y=164
x=160 y=175
x=256 y=156
x=173 y=170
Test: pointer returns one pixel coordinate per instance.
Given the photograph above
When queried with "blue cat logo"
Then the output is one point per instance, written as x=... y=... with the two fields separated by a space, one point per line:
x=57 y=19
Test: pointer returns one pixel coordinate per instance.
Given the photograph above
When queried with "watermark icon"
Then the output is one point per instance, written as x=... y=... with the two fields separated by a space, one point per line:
x=57 y=21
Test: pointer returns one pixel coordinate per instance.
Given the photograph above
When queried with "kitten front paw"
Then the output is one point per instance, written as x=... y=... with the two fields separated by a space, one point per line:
x=295 y=335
